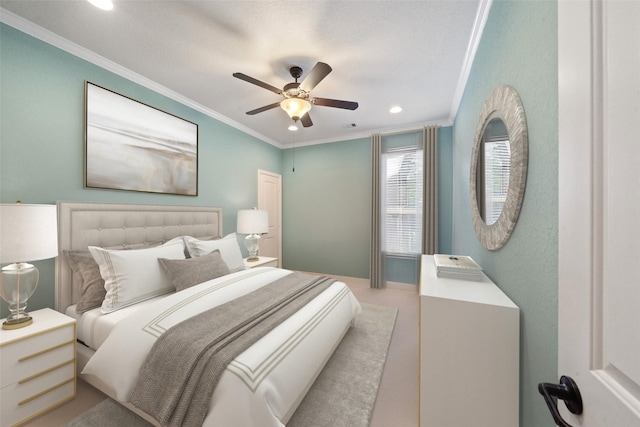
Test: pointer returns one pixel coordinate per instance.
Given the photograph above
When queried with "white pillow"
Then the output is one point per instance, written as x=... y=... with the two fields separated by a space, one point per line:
x=228 y=247
x=131 y=276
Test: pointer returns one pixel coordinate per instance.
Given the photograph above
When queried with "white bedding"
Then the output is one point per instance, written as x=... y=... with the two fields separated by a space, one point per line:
x=261 y=387
x=93 y=326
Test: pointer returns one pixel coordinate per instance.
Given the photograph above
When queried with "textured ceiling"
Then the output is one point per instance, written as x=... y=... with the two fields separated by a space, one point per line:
x=415 y=54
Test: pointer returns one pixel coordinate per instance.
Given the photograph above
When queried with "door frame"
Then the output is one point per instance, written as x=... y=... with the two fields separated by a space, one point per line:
x=262 y=205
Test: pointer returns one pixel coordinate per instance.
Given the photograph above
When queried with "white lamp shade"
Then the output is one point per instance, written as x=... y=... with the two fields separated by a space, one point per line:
x=253 y=221
x=28 y=232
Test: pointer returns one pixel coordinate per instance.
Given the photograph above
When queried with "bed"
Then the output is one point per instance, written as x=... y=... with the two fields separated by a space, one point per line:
x=263 y=385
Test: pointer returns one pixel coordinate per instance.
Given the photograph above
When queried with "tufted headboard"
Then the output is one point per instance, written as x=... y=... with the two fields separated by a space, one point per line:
x=82 y=224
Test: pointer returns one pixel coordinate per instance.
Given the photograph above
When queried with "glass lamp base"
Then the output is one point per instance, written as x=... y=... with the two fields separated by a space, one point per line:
x=17 y=324
x=17 y=283
x=251 y=242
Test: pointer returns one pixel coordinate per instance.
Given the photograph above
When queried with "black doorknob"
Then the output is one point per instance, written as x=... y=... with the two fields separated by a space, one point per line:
x=568 y=391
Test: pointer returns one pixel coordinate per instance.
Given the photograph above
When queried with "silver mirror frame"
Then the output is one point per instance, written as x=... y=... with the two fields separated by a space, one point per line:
x=504 y=103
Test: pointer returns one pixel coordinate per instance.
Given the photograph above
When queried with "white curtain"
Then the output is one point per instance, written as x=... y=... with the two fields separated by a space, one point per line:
x=377 y=272
x=430 y=191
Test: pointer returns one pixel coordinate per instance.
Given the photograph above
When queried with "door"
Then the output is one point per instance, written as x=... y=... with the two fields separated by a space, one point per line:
x=599 y=209
x=270 y=200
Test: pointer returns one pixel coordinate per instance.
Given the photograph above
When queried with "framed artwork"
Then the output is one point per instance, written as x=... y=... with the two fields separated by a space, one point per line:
x=132 y=146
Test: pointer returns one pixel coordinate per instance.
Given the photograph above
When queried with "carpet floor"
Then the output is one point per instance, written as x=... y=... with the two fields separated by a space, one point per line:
x=344 y=393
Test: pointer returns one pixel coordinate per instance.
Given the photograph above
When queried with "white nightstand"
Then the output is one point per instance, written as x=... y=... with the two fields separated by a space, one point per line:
x=263 y=261
x=37 y=366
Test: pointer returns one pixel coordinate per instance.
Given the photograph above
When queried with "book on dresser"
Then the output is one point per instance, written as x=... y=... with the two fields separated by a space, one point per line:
x=457 y=267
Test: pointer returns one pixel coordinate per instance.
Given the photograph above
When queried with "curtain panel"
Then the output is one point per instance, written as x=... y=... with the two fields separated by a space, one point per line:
x=430 y=191
x=429 y=218
x=376 y=264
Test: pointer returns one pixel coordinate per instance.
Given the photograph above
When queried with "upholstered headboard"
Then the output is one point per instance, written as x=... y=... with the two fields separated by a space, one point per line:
x=112 y=225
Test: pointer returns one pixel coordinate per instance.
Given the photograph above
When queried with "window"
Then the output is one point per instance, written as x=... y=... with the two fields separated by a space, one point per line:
x=497 y=161
x=402 y=200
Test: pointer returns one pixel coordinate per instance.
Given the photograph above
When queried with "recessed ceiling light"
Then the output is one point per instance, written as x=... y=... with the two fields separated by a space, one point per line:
x=395 y=110
x=102 y=4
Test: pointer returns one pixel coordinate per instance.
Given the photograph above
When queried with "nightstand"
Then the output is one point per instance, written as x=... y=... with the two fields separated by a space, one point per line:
x=37 y=366
x=263 y=261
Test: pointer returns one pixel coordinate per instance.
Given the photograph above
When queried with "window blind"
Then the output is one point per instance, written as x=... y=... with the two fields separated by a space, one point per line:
x=402 y=200
x=497 y=161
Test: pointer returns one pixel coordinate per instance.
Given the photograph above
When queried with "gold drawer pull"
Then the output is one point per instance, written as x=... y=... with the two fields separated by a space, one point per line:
x=42 y=393
x=47 y=350
x=39 y=374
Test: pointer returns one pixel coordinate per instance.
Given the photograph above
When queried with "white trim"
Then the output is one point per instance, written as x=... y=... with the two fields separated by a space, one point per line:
x=414 y=127
x=476 y=35
x=55 y=40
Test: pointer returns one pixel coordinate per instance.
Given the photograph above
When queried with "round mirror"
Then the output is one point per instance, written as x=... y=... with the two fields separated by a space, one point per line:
x=498 y=167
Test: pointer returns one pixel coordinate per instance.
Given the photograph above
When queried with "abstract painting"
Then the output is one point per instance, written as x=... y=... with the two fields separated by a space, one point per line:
x=132 y=146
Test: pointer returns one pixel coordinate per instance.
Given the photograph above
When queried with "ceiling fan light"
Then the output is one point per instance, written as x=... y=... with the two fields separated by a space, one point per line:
x=292 y=127
x=295 y=107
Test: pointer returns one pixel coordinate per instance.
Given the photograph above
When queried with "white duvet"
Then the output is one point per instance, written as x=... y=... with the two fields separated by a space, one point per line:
x=262 y=386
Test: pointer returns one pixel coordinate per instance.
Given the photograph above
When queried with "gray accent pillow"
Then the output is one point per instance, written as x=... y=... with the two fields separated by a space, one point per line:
x=185 y=273
x=85 y=268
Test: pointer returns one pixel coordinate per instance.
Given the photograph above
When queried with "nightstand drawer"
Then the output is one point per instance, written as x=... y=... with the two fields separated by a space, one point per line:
x=37 y=367
x=36 y=353
x=28 y=399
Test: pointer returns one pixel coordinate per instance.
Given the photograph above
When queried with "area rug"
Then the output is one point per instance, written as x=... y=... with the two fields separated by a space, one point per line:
x=343 y=395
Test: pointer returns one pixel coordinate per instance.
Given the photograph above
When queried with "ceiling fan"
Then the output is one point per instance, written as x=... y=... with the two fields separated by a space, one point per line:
x=297 y=96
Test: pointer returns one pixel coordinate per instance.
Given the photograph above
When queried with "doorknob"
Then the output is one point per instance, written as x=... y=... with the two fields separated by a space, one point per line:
x=568 y=391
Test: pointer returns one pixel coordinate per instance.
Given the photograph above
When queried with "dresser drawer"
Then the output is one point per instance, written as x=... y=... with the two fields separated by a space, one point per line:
x=37 y=353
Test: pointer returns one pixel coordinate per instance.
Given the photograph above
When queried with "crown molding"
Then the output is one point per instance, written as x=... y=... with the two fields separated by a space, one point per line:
x=55 y=40
x=482 y=15
x=367 y=133
x=59 y=42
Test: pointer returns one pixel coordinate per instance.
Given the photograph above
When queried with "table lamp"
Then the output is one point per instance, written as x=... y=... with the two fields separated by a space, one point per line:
x=27 y=233
x=252 y=222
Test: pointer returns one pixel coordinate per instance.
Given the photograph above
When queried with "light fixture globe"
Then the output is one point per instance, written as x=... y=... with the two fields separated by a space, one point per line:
x=295 y=107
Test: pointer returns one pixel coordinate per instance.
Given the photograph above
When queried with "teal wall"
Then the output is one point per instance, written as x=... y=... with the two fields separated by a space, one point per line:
x=519 y=48
x=41 y=141
x=327 y=208
x=326 y=200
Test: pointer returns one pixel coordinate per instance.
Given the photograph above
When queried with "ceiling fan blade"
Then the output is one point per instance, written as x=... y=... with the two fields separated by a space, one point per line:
x=306 y=120
x=265 y=108
x=336 y=103
x=257 y=82
x=315 y=76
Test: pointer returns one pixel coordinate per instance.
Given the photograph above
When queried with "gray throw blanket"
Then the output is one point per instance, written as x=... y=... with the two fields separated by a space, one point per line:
x=185 y=364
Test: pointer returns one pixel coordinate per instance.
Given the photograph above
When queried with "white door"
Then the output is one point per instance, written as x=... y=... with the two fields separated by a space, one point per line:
x=270 y=200
x=599 y=209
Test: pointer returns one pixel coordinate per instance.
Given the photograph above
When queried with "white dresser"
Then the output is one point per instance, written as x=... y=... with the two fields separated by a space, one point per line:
x=37 y=366
x=469 y=353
